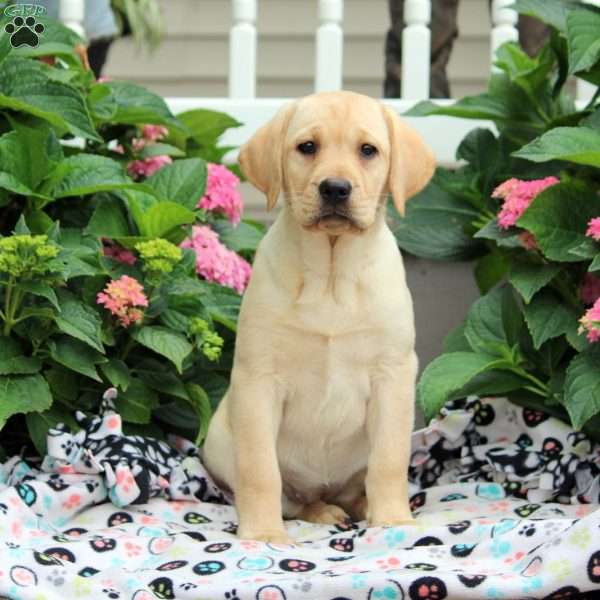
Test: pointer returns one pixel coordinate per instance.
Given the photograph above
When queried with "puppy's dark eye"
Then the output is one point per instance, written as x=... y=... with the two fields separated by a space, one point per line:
x=307 y=148
x=368 y=151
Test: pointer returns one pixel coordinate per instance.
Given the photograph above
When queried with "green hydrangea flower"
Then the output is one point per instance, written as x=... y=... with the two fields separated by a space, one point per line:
x=27 y=256
x=209 y=342
x=159 y=256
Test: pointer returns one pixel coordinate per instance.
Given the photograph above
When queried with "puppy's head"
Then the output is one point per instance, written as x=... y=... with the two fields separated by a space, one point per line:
x=336 y=156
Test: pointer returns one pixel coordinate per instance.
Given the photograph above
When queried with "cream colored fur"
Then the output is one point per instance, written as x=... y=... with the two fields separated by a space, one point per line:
x=320 y=406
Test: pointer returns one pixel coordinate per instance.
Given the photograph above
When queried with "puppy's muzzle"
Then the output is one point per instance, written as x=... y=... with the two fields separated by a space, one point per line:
x=334 y=192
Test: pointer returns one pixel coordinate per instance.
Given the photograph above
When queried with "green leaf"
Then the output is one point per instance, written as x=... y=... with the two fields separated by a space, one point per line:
x=493 y=323
x=76 y=356
x=136 y=404
x=490 y=383
x=582 y=388
x=207 y=126
x=530 y=74
x=242 y=238
x=5 y=45
x=39 y=288
x=164 y=382
x=223 y=305
x=15 y=175
x=165 y=342
x=200 y=401
x=80 y=321
x=131 y=104
x=484 y=106
x=109 y=219
x=503 y=238
x=182 y=182
x=528 y=279
x=117 y=372
x=162 y=219
x=23 y=395
x=160 y=149
x=64 y=384
x=547 y=317
x=583 y=26
x=83 y=174
x=595 y=266
x=215 y=386
x=434 y=226
x=455 y=340
x=580 y=145
x=447 y=374
x=552 y=12
x=490 y=270
x=39 y=148
x=25 y=86
x=558 y=219
x=20 y=365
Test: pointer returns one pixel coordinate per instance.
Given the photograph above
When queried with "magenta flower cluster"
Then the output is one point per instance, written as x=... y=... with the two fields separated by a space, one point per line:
x=123 y=297
x=222 y=193
x=145 y=167
x=216 y=262
x=517 y=196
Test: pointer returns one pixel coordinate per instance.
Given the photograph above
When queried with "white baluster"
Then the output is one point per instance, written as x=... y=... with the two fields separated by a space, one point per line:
x=504 y=26
x=242 y=50
x=585 y=90
x=72 y=13
x=416 y=50
x=330 y=46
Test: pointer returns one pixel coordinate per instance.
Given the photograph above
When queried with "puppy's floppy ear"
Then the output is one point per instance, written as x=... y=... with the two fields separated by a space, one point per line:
x=261 y=157
x=412 y=163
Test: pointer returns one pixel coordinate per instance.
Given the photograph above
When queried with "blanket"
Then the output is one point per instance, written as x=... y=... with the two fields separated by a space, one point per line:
x=505 y=500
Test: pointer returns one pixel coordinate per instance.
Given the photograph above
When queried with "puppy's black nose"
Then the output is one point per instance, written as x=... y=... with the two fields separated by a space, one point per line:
x=335 y=191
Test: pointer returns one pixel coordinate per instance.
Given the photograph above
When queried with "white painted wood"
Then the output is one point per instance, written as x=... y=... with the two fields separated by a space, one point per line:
x=330 y=46
x=242 y=50
x=585 y=90
x=504 y=26
x=72 y=14
x=416 y=50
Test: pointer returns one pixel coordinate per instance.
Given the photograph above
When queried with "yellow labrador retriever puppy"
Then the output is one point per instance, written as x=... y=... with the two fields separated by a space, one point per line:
x=319 y=411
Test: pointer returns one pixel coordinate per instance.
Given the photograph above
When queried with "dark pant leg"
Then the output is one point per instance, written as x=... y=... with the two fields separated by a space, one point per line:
x=97 y=54
x=443 y=32
x=532 y=34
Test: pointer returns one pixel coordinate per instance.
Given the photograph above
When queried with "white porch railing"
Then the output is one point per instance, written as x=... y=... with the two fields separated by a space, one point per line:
x=442 y=133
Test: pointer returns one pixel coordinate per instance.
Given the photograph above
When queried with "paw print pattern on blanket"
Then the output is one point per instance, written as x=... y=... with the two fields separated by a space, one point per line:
x=483 y=529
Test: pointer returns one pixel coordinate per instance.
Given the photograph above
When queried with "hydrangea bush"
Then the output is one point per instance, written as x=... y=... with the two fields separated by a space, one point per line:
x=122 y=250
x=525 y=205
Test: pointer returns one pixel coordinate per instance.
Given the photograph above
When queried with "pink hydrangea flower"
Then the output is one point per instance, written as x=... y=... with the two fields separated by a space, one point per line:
x=593 y=229
x=590 y=289
x=215 y=262
x=517 y=196
x=122 y=297
x=109 y=248
x=590 y=322
x=222 y=193
x=148 y=166
x=154 y=133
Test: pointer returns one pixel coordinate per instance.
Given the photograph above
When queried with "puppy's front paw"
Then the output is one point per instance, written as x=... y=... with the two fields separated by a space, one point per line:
x=273 y=536
x=391 y=522
x=325 y=514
